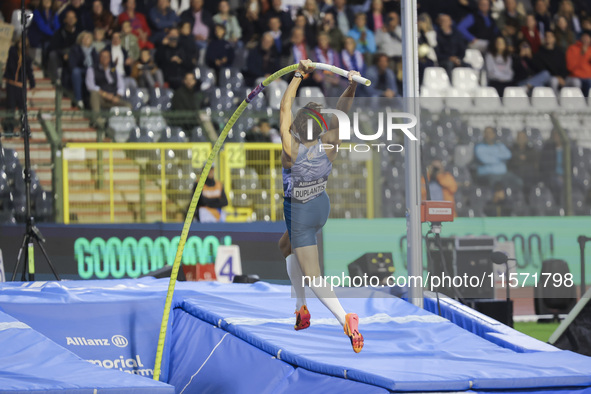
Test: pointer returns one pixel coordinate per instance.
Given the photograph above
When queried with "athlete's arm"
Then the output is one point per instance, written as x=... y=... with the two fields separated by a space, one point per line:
x=285 y=113
x=344 y=104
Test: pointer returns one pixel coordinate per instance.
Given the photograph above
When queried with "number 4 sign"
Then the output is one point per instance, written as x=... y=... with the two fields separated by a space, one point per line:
x=228 y=263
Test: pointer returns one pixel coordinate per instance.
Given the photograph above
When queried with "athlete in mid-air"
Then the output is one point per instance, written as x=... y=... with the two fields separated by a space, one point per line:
x=307 y=162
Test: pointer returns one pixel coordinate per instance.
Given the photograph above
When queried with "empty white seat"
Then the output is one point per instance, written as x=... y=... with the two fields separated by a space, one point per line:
x=474 y=58
x=431 y=99
x=436 y=78
x=458 y=99
x=543 y=98
x=516 y=99
x=572 y=99
x=487 y=99
x=313 y=93
x=464 y=78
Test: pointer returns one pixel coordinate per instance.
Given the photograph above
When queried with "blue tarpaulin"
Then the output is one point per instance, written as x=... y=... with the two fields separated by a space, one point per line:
x=29 y=361
x=239 y=338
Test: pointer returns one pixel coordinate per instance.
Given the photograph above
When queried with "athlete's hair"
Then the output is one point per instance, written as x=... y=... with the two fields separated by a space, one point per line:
x=300 y=123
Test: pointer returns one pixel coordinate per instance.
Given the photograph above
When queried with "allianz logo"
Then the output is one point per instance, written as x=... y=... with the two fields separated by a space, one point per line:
x=117 y=340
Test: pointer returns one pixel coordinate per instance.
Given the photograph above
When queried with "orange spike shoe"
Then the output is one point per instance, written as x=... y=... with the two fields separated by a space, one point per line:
x=302 y=318
x=351 y=329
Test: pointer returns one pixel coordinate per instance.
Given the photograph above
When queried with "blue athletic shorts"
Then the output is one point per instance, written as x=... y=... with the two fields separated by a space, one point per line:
x=305 y=220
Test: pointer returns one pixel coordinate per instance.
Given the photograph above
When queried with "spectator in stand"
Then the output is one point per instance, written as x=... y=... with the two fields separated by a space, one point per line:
x=342 y=15
x=499 y=65
x=310 y=31
x=332 y=84
x=382 y=77
x=162 y=19
x=451 y=46
x=121 y=61
x=510 y=18
x=334 y=33
x=277 y=11
x=553 y=59
x=365 y=39
x=13 y=76
x=172 y=59
x=83 y=16
x=427 y=35
x=106 y=86
x=45 y=25
x=230 y=22
x=250 y=22
x=543 y=16
x=262 y=61
x=61 y=43
x=201 y=22
x=139 y=25
x=188 y=97
x=311 y=12
x=552 y=165
x=352 y=59
x=578 y=61
x=498 y=206
x=298 y=50
x=260 y=132
x=565 y=37
x=146 y=72
x=99 y=43
x=531 y=33
x=82 y=56
x=212 y=200
x=526 y=72
x=493 y=156
x=220 y=53
x=129 y=41
x=442 y=184
x=102 y=18
x=525 y=162
x=281 y=41
x=479 y=28
x=188 y=45
x=567 y=10
x=180 y=6
x=375 y=16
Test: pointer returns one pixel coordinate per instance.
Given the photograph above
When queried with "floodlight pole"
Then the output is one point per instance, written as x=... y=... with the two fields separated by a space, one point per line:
x=412 y=158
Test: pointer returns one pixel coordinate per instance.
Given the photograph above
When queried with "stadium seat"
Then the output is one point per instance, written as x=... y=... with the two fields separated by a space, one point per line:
x=544 y=99
x=458 y=99
x=462 y=175
x=518 y=202
x=580 y=208
x=161 y=99
x=516 y=99
x=572 y=99
x=221 y=100
x=151 y=119
x=431 y=100
x=43 y=207
x=7 y=217
x=19 y=206
x=582 y=157
x=121 y=122
x=477 y=198
x=274 y=94
x=474 y=58
x=470 y=135
x=436 y=78
x=11 y=164
x=486 y=99
x=505 y=135
x=463 y=155
x=541 y=202
x=206 y=76
x=465 y=79
x=173 y=134
x=258 y=104
x=138 y=98
x=311 y=94
x=141 y=134
x=4 y=187
x=581 y=178
x=231 y=79
x=534 y=136
x=235 y=136
x=197 y=134
x=393 y=204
